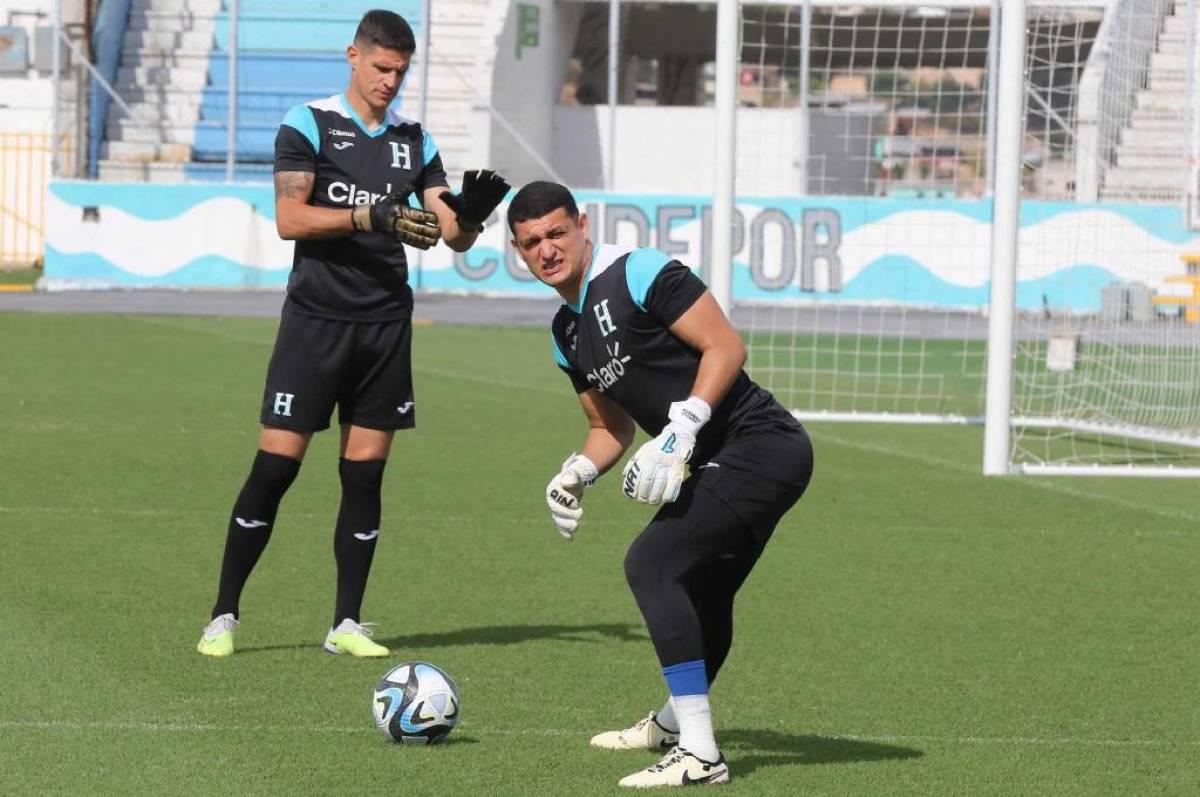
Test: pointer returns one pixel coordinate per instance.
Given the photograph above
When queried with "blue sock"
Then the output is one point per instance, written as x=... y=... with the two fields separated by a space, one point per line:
x=688 y=684
x=686 y=678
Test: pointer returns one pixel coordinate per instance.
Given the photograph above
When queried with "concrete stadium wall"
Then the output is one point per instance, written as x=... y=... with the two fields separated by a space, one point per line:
x=787 y=250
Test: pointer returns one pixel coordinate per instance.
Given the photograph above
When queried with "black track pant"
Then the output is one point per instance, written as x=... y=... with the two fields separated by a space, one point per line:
x=686 y=567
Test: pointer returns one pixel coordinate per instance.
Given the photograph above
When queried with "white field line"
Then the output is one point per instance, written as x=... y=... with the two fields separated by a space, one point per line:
x=524 y=521
x=565 y=390
x=1014 y=741
x=16 y=426
x=819 y=436
x=937 y=462
x=128 y=512
x=175 y=727
x=1027 y=481
x=224 y=513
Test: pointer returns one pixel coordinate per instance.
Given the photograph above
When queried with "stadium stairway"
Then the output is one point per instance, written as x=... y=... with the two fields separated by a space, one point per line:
x=1154 y=143
x=174 y=74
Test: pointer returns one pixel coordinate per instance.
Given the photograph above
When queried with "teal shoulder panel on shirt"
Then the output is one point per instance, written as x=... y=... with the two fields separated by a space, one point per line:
x=301 y=118
x=558 y=355
x=641 y=269
x=428 y=148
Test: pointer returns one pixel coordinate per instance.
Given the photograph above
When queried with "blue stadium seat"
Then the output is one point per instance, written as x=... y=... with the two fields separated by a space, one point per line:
x=289 y=54
x=215 y=172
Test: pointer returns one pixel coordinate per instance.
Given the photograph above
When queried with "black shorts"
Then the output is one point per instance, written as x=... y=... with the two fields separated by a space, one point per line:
x=365 y=368
x=759 y=477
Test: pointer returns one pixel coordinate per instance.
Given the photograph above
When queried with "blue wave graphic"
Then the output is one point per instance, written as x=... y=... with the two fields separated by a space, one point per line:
x=901 y=280
x=209 y=271
x=854 y=212
x=890 y=279
x=161 y=202
x=1161 y=221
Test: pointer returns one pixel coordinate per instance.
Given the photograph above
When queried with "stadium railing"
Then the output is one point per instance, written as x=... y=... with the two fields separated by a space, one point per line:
x=24 y=169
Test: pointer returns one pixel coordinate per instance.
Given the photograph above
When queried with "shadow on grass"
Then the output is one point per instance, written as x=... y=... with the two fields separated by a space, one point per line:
x=491 y=635
x=516 y=634
x=748 y=750
x=455 y=740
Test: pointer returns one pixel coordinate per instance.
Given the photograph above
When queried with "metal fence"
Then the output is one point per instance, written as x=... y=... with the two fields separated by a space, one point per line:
x=887 y=99
x=24 y=170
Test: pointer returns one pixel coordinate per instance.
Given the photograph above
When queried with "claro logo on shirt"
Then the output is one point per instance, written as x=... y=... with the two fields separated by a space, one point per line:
x=353 y=195
x=606 y=376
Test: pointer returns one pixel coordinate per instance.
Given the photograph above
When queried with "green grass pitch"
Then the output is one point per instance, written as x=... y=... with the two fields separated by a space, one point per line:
x=913 y=629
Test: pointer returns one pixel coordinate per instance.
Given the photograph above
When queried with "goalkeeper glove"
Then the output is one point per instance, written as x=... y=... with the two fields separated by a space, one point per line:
x=392 y=215
x=482 y=191
x=565 y=491
x=656 y=472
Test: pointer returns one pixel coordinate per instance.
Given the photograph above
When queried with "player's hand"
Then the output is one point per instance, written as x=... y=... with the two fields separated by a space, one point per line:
x=565 y=491
x=482 y=191
x=392 y=215
x=656 y=472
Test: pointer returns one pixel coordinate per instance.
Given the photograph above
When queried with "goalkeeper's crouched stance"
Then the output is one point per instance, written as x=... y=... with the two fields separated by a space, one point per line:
x=644 y=343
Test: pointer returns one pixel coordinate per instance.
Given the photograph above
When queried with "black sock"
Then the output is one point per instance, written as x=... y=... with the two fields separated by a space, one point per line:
x=356 y=533
x=250 y=525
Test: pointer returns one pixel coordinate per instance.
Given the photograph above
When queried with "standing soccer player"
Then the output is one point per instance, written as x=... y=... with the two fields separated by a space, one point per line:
x=345 y=167
x=643 y=341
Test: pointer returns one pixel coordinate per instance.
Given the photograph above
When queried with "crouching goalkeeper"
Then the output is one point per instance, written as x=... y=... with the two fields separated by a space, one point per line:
x=645 y=343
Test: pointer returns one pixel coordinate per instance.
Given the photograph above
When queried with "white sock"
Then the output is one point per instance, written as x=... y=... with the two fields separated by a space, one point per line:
x=695 y=726
x=666 y=717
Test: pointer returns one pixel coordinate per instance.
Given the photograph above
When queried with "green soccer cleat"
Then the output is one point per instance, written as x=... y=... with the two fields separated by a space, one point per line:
x=647 y=734
x=218 y=636
x=354 y=639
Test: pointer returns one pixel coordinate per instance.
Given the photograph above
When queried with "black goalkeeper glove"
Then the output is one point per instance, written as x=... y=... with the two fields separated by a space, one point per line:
x=482 y=191
x=393 y=216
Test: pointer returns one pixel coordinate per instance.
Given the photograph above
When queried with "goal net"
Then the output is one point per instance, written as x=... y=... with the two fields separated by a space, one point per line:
x=864 y=222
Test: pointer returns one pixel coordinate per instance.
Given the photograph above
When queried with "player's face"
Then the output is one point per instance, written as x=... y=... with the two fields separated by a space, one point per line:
x=554 y=248
x=376 y=73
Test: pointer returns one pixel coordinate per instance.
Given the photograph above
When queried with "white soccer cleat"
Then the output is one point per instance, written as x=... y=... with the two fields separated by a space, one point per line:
x=647 y=734
x=679 y=768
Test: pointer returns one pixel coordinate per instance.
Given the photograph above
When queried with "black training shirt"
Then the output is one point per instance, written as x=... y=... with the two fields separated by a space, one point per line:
x=358 y=276
x=617 y=339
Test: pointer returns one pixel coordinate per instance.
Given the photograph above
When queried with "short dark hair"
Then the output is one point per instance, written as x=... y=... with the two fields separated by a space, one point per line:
x=537 y=199
x=379 y=28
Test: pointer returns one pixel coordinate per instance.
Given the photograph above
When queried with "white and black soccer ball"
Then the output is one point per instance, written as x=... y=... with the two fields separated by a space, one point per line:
x=415 y=703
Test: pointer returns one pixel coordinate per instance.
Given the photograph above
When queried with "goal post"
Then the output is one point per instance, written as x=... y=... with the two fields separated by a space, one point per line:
x=877 y=276
x=1006 y=209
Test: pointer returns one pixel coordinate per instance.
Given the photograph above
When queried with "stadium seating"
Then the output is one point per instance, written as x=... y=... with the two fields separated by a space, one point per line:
x=174 y=73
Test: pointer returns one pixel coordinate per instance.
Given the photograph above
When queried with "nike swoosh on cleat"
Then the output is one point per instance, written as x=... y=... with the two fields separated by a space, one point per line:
x=694 y=781
x=367 y=536
x=251 y=524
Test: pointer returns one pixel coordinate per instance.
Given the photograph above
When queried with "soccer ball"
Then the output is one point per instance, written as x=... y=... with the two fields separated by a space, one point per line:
x=415 y=703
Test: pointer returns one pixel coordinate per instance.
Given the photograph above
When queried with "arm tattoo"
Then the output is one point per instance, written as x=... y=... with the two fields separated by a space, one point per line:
x=294 y=185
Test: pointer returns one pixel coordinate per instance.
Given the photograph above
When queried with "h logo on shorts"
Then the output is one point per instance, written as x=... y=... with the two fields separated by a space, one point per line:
x=283 y=404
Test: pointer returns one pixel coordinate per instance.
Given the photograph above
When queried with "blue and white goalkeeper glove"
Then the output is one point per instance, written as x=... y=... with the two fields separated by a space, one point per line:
x=565 y=491
x=656 y=472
